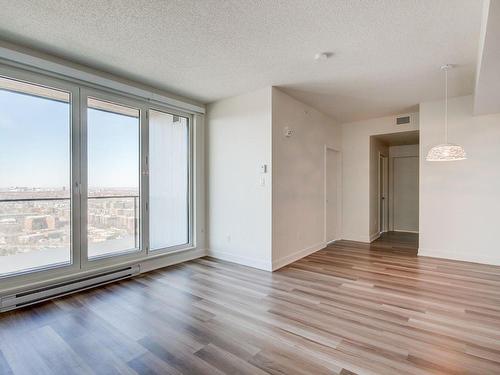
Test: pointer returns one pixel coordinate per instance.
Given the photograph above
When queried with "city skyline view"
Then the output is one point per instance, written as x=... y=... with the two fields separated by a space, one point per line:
x=35 y=167
x=36 y=211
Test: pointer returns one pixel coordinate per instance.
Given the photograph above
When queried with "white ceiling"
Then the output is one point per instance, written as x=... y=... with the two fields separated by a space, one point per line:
x=386 y=59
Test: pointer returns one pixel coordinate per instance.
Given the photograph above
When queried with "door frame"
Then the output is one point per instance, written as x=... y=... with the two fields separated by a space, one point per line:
x=383 y=193
x=339 y=193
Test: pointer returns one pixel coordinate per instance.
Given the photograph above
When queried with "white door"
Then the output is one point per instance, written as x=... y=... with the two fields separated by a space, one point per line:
x=332 y=195
x=406 y=194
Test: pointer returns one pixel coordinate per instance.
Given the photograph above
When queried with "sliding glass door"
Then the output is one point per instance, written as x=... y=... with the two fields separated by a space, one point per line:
x=35 y=177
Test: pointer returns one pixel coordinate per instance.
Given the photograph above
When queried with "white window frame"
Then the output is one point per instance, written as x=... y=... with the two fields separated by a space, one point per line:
x=190 y=208
x=27 y=276
x=131 y=254
x=81 y=265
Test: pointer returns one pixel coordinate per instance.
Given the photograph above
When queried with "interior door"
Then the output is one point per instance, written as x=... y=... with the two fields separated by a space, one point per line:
x=405 y=173
x=332 y=194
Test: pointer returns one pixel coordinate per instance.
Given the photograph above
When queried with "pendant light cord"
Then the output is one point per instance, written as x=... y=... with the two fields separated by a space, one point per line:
x=446 y=105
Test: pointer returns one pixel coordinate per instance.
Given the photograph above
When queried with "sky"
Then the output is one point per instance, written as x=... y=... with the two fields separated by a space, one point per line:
x=35 y=144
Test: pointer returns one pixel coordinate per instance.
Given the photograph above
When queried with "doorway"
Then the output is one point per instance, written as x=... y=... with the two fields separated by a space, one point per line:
x=394 y=183
x=332 y=195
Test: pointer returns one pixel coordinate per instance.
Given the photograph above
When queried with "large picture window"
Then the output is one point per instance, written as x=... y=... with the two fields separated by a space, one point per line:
x=88 y=178
x=113 y=178
x=35 y=177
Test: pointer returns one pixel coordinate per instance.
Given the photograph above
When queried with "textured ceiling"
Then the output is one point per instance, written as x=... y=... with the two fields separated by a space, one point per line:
x=386 y=59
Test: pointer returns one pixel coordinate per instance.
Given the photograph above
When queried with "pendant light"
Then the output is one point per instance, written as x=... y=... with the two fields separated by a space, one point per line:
x=446 y=151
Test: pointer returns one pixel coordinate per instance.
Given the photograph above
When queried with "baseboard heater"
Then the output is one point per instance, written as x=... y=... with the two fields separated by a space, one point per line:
x=25 y=298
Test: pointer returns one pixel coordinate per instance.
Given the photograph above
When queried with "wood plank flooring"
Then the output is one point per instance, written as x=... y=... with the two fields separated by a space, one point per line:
x=350 y=308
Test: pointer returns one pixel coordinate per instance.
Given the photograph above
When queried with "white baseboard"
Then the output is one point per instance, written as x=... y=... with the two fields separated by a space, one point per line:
x=365 y=239
x=333 y=241
x=405 y=231
x=465 y=257
x=374 y=236
x=356 y=238
x=245 y=261
x=278 y=263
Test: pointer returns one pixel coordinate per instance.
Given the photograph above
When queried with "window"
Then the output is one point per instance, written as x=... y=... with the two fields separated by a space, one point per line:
x=168 y=180
x=35 y=177
x=113 y=178
x=81 y=188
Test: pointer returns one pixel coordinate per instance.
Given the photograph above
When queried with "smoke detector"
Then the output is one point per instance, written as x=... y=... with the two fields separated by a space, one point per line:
x=321 y=56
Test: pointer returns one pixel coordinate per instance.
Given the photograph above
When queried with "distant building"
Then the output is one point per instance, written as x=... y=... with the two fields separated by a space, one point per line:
x=41 y=222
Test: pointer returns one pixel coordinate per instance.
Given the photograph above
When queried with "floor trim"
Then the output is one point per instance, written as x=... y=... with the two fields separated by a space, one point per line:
x=281 y=262
x=245 y=261
x=464 y=257
x=374 y=236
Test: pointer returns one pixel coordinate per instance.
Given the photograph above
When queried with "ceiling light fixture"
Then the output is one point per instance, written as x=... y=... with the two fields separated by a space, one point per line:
x=446 y=151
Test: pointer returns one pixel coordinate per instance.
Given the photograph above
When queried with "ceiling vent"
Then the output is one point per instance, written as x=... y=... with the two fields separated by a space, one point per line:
x=402 y=120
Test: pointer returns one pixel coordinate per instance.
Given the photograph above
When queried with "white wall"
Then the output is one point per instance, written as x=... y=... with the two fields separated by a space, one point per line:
x=239 y=207
x=299 y=177
x=266 y=226
x=460 y=201
x=356 y=219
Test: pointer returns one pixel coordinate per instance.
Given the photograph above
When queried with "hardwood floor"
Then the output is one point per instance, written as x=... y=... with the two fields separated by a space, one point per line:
x=350 y=308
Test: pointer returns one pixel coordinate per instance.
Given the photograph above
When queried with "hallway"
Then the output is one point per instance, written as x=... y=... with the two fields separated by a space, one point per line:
x=397 y=241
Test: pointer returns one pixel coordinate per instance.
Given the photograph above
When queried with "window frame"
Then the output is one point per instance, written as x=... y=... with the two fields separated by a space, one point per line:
x=81 y=265
x=132 y=254
x=190 y=176
x=27 y=276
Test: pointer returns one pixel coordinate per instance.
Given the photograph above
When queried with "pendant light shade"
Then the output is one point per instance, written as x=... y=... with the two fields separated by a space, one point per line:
x=446 y=151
